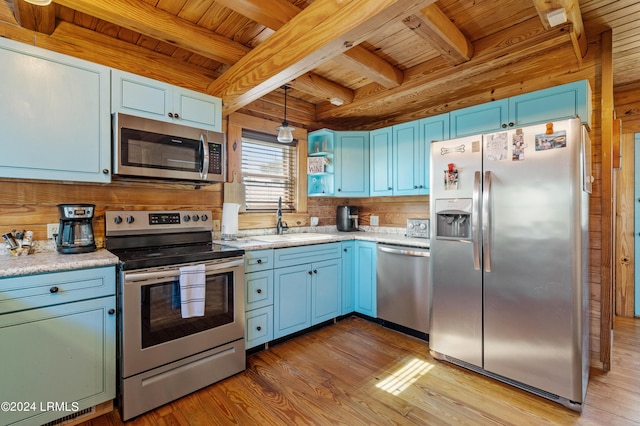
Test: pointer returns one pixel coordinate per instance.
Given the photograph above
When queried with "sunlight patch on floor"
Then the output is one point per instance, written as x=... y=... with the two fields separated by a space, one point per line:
x=405 y=376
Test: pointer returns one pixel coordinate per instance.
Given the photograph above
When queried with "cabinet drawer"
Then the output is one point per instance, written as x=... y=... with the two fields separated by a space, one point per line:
x=258 y=289
x=258 y=260
x=306 y=254
x=34 y=291
x=259 y=326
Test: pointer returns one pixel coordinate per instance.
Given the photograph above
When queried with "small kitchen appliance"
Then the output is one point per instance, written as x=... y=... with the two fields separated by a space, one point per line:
x=418 y=228
x=75 y=234
x=347 y=218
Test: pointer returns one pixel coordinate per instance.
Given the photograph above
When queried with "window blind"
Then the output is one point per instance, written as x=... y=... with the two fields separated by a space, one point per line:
x=268 y=171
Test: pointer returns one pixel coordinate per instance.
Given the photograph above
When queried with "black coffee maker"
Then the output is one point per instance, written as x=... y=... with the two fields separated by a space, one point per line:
x=75 y=234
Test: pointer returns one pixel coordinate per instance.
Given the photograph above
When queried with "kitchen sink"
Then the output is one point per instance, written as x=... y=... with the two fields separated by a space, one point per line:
x=303 y=236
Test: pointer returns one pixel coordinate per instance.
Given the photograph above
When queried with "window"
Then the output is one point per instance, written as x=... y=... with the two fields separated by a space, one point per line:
x=268 y=171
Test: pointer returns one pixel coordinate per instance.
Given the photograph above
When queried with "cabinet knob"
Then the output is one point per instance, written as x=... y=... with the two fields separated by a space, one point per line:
x=504 y=126
x=310 y=272
x=176 y=115
x=339 y=189
x=258 y=328
x=315 y=271
x=389 y=188
x=105 y=171
x=111 y=311
x=259 y=291
x=170 y=114
x=259 y=260
x=511 y=124
x=54 y=289
x=345 y=250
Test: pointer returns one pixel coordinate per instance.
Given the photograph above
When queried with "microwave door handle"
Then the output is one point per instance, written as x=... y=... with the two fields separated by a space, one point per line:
x=205 y=158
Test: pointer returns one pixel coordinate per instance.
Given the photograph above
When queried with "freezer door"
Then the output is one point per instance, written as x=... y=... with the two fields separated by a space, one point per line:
x=532 y=257
x=456 y=309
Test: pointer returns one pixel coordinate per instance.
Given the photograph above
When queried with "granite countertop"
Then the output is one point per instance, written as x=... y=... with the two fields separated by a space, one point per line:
x=379 y=235
x=53 y=261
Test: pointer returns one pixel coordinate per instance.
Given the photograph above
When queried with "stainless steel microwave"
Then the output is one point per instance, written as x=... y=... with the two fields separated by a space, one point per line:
x=148 y=148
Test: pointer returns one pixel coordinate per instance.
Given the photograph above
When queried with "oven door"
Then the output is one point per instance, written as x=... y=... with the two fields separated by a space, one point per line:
x=153 y=331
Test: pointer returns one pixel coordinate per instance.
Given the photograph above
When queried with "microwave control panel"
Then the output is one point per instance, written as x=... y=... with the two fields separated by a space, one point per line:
x=215 y=158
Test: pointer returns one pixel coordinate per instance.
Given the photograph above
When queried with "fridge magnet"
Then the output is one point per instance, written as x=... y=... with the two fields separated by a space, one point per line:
x=450 y=177
x=518 y=146
x=315 y=165
x=551 y=141
x=497 y=146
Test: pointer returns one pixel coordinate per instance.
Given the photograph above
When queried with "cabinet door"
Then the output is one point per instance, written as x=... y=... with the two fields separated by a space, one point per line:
x=196 y=109
x=406 y=140
x=326 y=290
x=381 y=159
x=292 y=299
x=141 y=96
x=348 y=276
x=555 y=103
x=54 y=116
x=259 y=325
x=352 y=164
x=62 y=353
x=478 y=119
x=431 y=129
x=366 y=278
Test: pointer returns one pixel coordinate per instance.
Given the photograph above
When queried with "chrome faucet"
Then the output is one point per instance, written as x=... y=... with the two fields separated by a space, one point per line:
x=279 y=226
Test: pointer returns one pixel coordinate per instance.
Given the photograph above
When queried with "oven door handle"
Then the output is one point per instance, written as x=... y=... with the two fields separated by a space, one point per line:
x=171 y=273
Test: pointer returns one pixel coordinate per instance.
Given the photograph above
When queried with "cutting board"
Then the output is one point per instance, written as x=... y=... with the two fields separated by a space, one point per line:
x=234 y=192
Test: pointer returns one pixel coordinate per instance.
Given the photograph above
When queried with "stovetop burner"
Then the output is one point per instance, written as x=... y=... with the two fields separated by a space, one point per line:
x=146 y=239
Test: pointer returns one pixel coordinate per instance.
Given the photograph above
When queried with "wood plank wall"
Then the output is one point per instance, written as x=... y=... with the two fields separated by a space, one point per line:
x=30 y=205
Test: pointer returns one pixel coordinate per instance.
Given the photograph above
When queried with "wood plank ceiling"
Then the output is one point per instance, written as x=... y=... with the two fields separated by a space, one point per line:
x=382 y=61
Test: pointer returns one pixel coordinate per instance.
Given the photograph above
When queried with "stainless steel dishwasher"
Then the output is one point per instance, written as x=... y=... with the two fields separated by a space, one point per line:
x=403 y=290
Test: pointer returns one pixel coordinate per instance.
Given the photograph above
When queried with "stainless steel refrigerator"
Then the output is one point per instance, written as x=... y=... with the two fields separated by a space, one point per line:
x=509 y=257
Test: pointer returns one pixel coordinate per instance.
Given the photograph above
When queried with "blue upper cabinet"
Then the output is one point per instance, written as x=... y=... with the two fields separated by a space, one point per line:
x=352 y=164
x=431 y=129
x=381 y=159
x=54 y=116
x=143 y=97
x=406 y=159
x=484 y=118
x=554 y=103
x=320 y=163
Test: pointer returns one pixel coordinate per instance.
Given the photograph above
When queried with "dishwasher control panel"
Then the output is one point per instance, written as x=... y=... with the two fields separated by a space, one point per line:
x=418 y=228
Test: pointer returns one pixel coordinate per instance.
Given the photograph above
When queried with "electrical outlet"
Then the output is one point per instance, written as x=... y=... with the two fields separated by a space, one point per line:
x=52 y=229
x=216 y=226
x=373 y=220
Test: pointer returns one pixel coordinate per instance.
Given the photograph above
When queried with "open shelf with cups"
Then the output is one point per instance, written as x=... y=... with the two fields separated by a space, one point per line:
x=320 y=167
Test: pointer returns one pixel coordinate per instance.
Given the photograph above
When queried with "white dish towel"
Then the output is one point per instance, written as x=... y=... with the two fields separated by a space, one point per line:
x=192 y=290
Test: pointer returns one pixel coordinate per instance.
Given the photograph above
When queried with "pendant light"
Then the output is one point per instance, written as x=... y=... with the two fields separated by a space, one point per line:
x=39 y=2
x=284 y=131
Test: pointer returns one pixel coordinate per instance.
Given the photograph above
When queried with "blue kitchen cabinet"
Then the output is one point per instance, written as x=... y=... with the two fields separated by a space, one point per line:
x=407 y=162
x=144 y=97
x=431 y=129
x=352 y=164
x=259 y=294
x=58 y=332
x=54 y=115
x=307 y=287
x=321 y=146
x=365 y=281
x=381 y=162
x=554 y=103
x=348 y=277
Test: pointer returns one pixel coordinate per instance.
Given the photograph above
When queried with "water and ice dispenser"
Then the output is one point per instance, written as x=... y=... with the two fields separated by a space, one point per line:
x=453 y=218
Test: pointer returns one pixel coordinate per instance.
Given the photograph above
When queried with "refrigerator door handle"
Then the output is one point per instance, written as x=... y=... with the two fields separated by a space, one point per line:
x=475 y=218
x=486 y=221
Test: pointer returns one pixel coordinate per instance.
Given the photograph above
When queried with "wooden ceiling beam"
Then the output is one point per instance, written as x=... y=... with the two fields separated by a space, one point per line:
x=322 y=88
x=145 y=19
x=276 y=13
x=36 y=18
x=574 y=16
x=320 y=32
x=434 y=26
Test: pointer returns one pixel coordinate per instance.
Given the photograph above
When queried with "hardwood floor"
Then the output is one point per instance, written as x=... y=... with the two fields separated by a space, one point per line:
x=356 y=372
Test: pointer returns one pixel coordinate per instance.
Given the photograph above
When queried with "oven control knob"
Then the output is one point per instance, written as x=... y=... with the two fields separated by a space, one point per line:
x=204 y=217
x=130 y=219
x=117 y=219
x=187 y=218
x=195 y=218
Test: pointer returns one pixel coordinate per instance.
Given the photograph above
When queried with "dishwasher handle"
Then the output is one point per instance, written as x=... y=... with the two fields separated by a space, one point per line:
x=404 y=251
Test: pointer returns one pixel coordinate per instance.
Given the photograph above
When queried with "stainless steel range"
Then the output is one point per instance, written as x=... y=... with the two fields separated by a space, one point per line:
x=180 y=303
